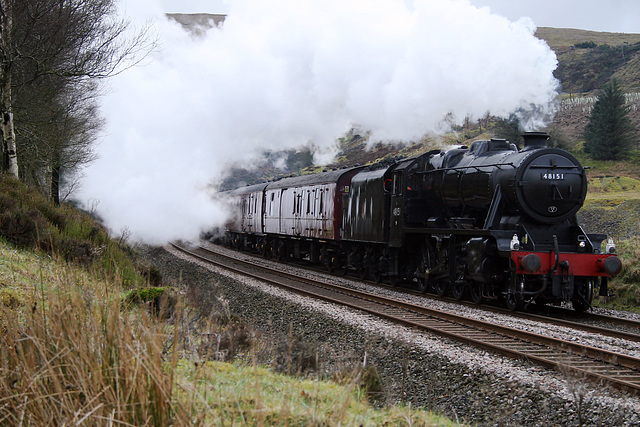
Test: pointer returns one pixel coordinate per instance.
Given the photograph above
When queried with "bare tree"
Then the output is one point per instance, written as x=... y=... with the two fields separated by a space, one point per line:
x=52 y=53
x=9 y=157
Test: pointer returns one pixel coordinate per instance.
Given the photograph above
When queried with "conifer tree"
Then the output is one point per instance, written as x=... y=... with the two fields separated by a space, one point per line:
x=608 y=134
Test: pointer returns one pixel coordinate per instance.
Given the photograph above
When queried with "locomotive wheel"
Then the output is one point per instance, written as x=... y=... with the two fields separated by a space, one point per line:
x=583 y=295
x=476 y=292
x=423 y=285
x=366 y=265
x=377 y=277
x=375 y=269
x=513 y=301
x=359 y=261
x=425 y=263
x=345 y=270
x=457 y=290
x=439 y=287
x=513 y=298
x=369 y=264
x=382 y=269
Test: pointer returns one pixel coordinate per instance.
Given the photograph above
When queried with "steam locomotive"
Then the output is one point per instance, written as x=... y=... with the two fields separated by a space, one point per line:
x=489 y=221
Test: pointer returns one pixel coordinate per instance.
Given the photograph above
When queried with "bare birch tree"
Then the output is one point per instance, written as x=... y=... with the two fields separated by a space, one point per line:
x=9 y=156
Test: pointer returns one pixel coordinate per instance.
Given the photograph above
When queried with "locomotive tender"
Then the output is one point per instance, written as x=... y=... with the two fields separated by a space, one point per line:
x=490 y=221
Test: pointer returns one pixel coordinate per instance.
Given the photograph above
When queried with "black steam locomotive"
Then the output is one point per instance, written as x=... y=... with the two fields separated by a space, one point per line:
x=489 y=221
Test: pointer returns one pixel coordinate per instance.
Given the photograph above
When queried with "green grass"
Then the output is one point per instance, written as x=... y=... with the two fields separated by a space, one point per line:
x=28 y=220
x=232 y=394
x=72 y=352
x=625 y=287
x=88 y=337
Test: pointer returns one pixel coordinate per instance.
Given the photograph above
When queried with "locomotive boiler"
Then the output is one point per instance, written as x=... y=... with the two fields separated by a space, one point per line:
x=489 y=221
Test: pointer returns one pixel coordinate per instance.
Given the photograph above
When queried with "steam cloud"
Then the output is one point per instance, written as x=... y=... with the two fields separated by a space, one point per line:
x=285 y=73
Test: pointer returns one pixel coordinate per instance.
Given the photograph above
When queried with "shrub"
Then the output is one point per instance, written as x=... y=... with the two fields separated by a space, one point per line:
x=158 y=300
x=586 y=45
x=296 y=355
x=28 y=220
x=24 y=228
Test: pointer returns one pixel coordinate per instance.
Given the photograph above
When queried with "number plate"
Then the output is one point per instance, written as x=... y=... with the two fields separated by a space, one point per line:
x=552 y=176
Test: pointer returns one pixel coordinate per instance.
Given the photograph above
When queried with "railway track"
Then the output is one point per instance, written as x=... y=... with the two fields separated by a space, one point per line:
x=627 y=329
x=582 y=361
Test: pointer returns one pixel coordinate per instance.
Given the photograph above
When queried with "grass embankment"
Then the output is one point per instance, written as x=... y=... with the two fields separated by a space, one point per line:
x=613 y=207
x=84 y=339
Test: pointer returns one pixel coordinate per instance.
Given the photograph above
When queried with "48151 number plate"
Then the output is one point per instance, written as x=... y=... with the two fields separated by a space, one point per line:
x=552 y=176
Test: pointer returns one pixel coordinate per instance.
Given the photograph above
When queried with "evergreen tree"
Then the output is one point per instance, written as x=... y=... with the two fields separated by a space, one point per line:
x=608 y=134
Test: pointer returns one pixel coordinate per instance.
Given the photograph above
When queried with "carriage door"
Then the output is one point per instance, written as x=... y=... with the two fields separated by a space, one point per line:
x=298 y=208
x=396 y=226
x=280 y=211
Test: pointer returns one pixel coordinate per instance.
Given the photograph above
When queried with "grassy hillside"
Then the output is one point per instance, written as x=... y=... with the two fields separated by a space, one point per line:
x=85 y=340
x=561 y=38
x=587 y=59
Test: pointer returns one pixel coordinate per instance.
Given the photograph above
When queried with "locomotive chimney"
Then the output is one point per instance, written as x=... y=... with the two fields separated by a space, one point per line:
x=535 y=140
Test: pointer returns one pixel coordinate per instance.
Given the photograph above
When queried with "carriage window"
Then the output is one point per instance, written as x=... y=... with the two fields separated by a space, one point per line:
x=271 y=204
x=314 y=206
x=308 y=202
x=397 y=183
x=321 y=201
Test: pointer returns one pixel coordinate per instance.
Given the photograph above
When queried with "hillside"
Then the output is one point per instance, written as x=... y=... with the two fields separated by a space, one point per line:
x=559 y=38
x=588 y=59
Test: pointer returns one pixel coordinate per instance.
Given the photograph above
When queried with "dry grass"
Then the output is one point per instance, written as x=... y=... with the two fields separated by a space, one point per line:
x=69 y=355
x=72 y=352
x=87 y=337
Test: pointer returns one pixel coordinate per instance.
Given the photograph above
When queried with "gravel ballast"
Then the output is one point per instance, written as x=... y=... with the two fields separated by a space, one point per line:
x=461 y=382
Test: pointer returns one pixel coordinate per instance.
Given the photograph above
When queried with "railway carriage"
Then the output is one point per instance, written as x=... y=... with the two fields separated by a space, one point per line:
x=246 y=225
x=300 y=216
x=489 y=221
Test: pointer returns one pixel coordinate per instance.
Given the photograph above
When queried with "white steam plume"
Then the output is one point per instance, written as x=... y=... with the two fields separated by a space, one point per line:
x=285 y=73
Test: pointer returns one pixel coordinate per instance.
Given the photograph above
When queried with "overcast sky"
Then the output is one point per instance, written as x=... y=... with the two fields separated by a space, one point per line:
x=597 y=15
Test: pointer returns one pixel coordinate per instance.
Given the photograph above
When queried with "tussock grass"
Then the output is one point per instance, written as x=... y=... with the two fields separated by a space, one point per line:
x=625 y=287
x=72 y=353
x=89 y=336
x=69 y=355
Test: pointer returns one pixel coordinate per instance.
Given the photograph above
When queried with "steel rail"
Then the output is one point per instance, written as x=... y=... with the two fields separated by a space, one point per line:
x=619 y=370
